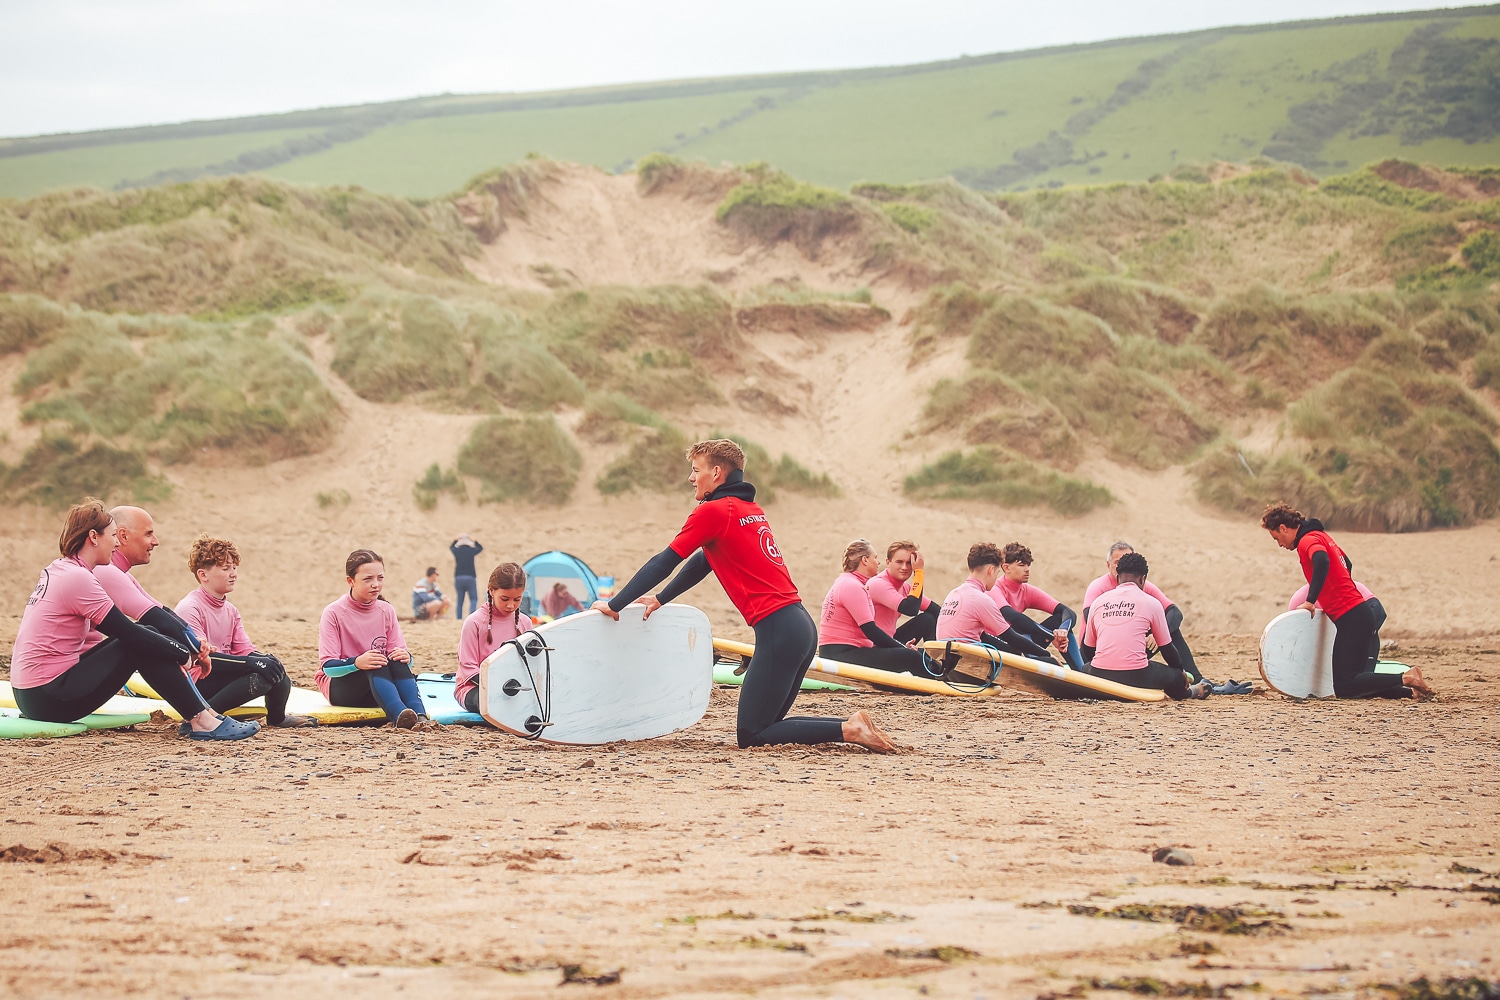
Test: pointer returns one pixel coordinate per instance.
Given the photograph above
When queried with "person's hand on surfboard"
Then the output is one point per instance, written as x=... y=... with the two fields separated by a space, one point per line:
x=604 y=609
x=650 y=603
x=372 y=660
x=1309 y=607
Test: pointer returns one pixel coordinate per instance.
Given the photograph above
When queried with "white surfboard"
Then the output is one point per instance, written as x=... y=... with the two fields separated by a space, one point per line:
x=586 y=679
x=1296 y=655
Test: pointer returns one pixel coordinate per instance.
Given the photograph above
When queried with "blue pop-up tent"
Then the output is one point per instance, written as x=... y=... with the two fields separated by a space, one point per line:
x=545 y=571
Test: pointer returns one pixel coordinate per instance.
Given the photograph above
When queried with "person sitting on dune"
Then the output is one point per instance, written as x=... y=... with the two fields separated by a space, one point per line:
x=427 y=601
x=1109 y=582
x=1330 y=585
x=1014 y=595
x=238 y=671
x=1115 y=638
x=970 y=615
x=847 y=628
x=57 y=675
x=897 y=590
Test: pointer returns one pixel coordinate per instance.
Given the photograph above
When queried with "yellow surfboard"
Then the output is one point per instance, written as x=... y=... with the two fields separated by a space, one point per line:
x=833 y=670
x=1020 y=673
x=302 y=701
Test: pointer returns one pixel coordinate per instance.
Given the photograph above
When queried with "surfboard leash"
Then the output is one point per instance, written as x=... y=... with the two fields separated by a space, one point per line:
x=984 y=685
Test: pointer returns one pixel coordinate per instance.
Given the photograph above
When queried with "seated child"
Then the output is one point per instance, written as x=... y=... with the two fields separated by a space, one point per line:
x=489 y=627
x=363 y=661
x=237 y=671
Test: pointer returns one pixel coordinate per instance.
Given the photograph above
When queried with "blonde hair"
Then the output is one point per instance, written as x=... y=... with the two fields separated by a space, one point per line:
x=894 y=547
x=855 y=553
x=719 y=451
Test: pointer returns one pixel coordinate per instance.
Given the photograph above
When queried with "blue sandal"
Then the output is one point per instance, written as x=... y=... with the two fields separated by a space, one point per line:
x=227 y=729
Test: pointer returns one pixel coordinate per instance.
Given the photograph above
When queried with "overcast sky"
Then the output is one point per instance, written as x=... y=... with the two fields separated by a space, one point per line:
x=70 y=65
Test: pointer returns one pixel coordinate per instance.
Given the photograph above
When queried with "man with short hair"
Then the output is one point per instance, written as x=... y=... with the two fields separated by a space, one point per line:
x=897 y=590
x=1109 y=582
x=1114 y=640
x=1014 y=594
x=970 y=615
x=427 y=602
x=728 y=535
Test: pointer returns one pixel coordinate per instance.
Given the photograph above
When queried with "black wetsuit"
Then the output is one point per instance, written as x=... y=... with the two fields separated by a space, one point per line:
x=1168 y=677
x=785 y=640
x=234 y=680
x=1356 y=640
x=886 y=654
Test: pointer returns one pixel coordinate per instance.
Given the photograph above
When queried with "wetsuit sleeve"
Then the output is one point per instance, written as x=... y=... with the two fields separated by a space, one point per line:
x=1169 y=653
x=140 y=638
x=339 y=668
x=879 y=636
x=912 y=605
x=648 y=576
x=167 y=623
x=1065 y=614
x=1319 y=577
x=1174 y=618
x=691 y=574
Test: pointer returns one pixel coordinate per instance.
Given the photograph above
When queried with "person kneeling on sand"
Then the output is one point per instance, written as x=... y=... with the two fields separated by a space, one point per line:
x=897 y=590
x=238 y=672
x=1114 y=641
x=847 y=629
x=970 y=615
x=1377 y=611
x=1014 y=595
x=57 y=676
x=1330 y=585
x=728 y=535
x=488 y=628
x=427 y=602
x=363 y=661
x=1109 y=582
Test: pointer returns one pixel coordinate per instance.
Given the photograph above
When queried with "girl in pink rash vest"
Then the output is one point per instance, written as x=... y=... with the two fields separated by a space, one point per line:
x=488 y=628
x=363 y=661
x=55 y=679
x=238 y=672
x=1114 y=640
x=847 y=631
x=1015 y=595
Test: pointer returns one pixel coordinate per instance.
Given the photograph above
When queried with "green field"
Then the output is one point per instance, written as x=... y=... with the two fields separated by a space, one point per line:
x=1329 y=95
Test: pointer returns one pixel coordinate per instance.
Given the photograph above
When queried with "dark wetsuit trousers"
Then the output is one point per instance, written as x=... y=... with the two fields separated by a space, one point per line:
x=1184 y=654
x=785 y=642
x=98 y=677
x=1040 y=633
x=1153 y=675
x=922 y=627
x=391 y=689
x=235 y=680
x=1354 y=676
x=889 y=658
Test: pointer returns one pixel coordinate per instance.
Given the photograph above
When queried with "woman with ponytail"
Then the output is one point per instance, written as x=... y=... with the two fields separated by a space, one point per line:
x=488 y=628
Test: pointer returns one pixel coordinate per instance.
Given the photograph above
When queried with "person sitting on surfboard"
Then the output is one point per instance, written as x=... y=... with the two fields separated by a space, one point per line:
x=1014 y=595
x=897 y=590
x=1123 y=619
x=1330 y=585
x=728 y=534
x=239 y=672
x=1109 y=582
x=363 y=661
x=56 y=675
x=488 y=628
x=970 y=615
x=847 y=629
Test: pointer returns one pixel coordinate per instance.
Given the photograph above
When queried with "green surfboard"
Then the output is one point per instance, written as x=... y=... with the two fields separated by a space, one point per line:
x=12 y=728
x=724 y=674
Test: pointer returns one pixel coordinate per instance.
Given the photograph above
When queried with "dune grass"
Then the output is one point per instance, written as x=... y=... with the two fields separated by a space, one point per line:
x=1004 y=478
x=59 y=470
x=530 y=459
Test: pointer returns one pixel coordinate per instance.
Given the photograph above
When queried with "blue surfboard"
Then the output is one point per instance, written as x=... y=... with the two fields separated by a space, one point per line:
x=437 y=695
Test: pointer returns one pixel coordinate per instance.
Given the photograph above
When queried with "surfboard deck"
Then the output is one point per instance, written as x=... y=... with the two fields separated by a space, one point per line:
x=837 y=672
x=607 y=680
x=1296 y=655
x=724 y=673
x=137 y=709
x=302 y=701
x=1020 y=673
x=437 y=695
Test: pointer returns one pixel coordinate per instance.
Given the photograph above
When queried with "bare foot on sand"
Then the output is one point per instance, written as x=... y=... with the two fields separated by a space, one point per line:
x=1420 y=689
x=861 y=730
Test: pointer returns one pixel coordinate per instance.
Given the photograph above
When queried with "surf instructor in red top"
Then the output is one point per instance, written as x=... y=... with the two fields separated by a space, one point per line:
x=728 y=535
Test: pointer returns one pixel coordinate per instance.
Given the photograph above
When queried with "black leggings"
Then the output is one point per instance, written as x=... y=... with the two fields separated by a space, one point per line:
x=1153 y=675
x=98 y=677
x=880 y=657
x=1184 y=654
x=922 y=627
x=785 y=642
x=235 y=680
x=1354 y=676
x=1024 y=637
